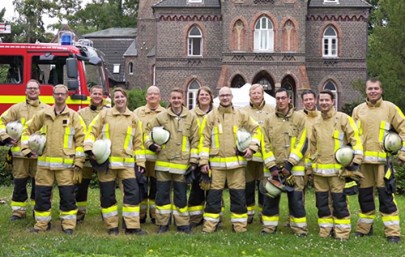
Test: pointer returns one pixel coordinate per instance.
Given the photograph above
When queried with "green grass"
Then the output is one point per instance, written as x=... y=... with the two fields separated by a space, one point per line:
x=91 y=239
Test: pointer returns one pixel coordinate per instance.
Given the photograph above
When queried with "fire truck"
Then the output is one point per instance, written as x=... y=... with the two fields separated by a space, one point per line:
x=75 y=64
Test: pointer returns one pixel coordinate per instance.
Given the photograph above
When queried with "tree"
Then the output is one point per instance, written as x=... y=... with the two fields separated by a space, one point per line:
x=103 y=14
x=29 y=26
x=386 y=59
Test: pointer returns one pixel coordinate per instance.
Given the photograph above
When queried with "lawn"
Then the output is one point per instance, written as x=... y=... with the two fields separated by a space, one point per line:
x=91 y=239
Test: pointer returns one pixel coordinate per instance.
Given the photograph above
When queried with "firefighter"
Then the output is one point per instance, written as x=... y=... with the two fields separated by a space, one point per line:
x=23 y=169
x=61 y=161
x=174 y=158
x=220 y=156
x=197 y=196
x=120 y=127
x=97 y=104
x=286 y=132
x=375 y=118
x=330 y=133
x=258 y=110
x=145 y=114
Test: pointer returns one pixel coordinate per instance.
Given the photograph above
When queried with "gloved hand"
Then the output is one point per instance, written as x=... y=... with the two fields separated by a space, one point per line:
x=355 y=175
x=154 y=148
x=286 y=171
x=89 y=154
x=189 y=174
x=290 y=180
x=205 y=181
x=77 y=175
x=275 y=171
x=142 y=181
x=9 y=157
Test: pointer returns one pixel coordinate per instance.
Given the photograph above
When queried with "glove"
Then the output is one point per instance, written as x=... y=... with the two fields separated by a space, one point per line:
x=153 y=148
x=286 y=171
x=355 y=175
x=205 y=181
x=77 y=175
x=189 y=174
x=275 y=171
x=100 y=167
x=142 y=181
x=389 y=180
x=9 y=157
x=290 y=180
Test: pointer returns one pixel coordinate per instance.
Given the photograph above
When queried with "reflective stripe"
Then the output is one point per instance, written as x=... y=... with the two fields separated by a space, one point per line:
x=55 y=162
x=110 y=211
x=215 y=137
x=175 y=168
x=68 y=137
x=130 y=211
x=342 y=223
x=299 y=222
x=81 y=204
x=326 y=169
x=120 y=162
x=227 y=162
x=164 y=209
x=298 y=170
x=270 y=220
x=181 y=212
x=214 y=217
x=128 y=138
x=325 y=222
x=43 y=216
x=68 y=215
x=390 y=220
x=79 y=152
x=196 y=210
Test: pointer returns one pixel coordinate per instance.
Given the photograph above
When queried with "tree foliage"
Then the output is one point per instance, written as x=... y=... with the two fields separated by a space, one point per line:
x=386 y=57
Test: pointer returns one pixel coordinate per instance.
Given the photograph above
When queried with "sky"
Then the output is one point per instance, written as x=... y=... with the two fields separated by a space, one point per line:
x=8 y=4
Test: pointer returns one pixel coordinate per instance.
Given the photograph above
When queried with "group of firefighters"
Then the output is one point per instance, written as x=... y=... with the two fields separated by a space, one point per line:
x=255 y=150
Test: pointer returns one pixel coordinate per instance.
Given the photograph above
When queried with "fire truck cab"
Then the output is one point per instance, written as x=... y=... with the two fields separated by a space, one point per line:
x=77 y=65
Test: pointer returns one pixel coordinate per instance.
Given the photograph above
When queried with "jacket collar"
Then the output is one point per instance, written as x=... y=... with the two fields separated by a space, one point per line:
x=158 y=109
x=34 y=103
x=116 y=112
x=377 y=104
x=183 y=113
x=261 y=105
x=228 y=109
x=329 y=114
x=289 y=113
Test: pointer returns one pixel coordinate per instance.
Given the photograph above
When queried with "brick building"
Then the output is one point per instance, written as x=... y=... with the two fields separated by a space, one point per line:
x=295 y=44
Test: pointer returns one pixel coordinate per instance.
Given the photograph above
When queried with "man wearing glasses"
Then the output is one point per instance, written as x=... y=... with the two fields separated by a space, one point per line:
x=23 y=169
x=61 y=161
x=220 y=156
x=285 y=129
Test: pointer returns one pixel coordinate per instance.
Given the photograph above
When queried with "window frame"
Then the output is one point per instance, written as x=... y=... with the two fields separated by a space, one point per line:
x=328 y=40
x=191 y=43
x=264 y=37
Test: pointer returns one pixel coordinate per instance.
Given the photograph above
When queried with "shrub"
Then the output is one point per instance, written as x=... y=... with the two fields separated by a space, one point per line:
x=5 y=168
x=136 y=98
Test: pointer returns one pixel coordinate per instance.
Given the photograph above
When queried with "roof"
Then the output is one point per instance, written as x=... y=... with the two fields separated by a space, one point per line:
x=113 y=32
x=184 y=3
x=131 y=51
x=342 y=3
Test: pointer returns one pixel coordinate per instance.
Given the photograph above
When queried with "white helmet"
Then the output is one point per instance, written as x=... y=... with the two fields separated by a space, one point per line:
x=36 y=143
x=344 y=155
x=160 y=135
x=392 y=142
x=14 y=129
x=271 y=187
x=101 y=150
x=243 y=139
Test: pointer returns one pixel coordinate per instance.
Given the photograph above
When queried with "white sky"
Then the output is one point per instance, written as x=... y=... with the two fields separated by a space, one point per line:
x=10 y=14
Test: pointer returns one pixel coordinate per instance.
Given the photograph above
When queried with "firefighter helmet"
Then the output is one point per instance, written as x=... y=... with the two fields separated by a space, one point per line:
x=243 y=139
x=344 y=155
x=36 y=143
x=160 y=135
x=101 y=150
x=14 y=129
x=392 y=142
x=271 y=187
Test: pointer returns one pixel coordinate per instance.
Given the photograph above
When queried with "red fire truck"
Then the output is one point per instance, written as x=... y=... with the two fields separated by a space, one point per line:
x=75 y=64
